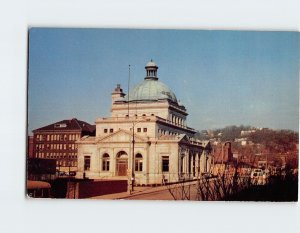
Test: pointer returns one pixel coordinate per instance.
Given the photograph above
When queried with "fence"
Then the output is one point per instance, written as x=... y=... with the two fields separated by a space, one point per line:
x=203 y=188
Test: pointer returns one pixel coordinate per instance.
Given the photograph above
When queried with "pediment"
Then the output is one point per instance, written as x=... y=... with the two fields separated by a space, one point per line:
x=122 y=136
x=184 y=139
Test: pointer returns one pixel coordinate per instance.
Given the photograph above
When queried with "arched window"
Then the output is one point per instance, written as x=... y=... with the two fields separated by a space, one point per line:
x=138 y=163
x=105 y=162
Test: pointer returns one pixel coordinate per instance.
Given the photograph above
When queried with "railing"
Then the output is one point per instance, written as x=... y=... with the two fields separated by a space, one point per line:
x=144 y=118
x=204 y=188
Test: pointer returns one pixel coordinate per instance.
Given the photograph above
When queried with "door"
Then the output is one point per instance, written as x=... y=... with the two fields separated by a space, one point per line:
x=122 y=167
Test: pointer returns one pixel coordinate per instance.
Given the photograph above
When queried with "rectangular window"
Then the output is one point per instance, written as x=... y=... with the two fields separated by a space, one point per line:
x=165 y=163
x=139 y=130
x=111 y=130
x=105 y=165
x=87 y=163
x=181 y=164
x=105 y=130
x=145 y=130
x=138 y=165
x=63 y=125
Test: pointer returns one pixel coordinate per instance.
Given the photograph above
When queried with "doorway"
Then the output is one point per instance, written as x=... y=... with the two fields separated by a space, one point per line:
x=122 y=163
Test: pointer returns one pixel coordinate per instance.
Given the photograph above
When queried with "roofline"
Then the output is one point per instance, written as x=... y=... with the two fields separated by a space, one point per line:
x=164 y=121
x=54 y=130
x=62 y=121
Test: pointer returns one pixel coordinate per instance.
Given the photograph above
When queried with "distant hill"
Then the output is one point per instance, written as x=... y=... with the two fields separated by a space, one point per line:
x=273 y=140
x=229 y=133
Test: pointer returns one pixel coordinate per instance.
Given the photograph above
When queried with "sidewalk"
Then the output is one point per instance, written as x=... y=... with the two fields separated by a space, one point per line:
x=139 y=191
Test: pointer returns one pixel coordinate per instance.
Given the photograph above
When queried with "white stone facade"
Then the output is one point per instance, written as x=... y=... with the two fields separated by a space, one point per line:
x=151 y=130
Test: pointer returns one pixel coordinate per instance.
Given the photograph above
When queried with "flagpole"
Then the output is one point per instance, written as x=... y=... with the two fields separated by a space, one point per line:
x=128 y=89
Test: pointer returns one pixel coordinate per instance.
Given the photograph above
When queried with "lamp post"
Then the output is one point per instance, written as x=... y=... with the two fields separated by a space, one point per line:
x=132 y=174
x=132 y=161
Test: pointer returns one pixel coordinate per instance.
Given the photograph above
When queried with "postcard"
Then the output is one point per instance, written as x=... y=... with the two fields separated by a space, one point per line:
x=144 y=114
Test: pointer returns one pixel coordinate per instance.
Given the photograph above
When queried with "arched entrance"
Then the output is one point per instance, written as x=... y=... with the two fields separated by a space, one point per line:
x=122 y=163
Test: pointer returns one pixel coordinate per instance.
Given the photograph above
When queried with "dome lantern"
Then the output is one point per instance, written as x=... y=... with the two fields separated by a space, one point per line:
x=151 y=70
x=151 y=89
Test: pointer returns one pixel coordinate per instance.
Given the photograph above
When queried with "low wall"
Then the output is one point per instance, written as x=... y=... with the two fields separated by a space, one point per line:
x=85 y=189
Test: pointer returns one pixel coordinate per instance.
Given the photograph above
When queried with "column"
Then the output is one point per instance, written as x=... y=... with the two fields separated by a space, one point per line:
x=197 y=164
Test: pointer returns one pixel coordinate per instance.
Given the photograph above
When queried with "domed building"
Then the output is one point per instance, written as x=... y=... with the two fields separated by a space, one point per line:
x=146 y=138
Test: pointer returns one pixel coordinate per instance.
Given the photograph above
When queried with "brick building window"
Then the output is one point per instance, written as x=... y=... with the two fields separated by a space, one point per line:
x=145 y=130
x=111 y=130
x=105 y=130
x=139 y=130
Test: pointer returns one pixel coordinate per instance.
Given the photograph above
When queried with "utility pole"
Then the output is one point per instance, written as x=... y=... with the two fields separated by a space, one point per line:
x=132 y=165
x=130 y=187
x=128 y=89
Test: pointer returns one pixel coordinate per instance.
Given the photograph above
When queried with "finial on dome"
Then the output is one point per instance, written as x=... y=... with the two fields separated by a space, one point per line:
x=151 y=70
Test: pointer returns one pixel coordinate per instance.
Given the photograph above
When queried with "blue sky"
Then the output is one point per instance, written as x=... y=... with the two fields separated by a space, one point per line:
x=222 y=77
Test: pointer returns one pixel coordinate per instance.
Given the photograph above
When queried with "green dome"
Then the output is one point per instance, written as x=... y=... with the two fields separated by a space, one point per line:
x=151 y=90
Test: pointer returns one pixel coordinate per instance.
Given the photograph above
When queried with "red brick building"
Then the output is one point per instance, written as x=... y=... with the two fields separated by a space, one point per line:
x=222 y=153
x=57 y=141
x=30 y=147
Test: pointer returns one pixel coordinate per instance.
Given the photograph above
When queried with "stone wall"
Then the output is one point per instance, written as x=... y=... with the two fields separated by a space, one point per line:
x=90 y=188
